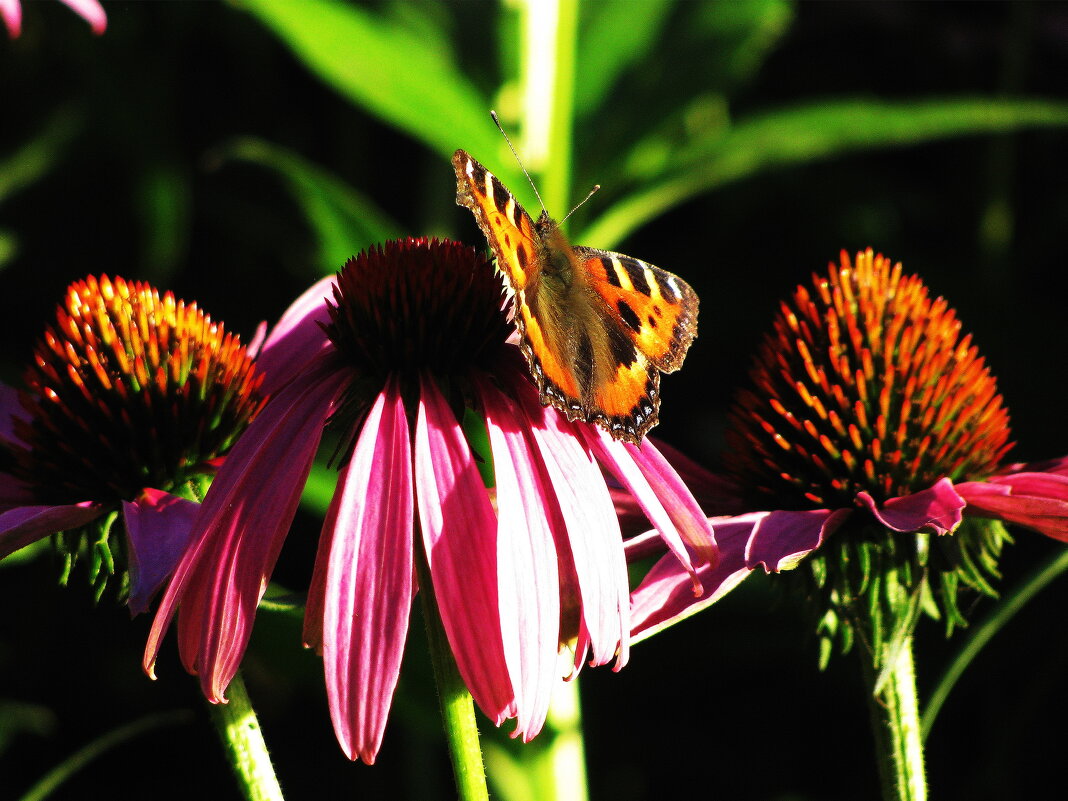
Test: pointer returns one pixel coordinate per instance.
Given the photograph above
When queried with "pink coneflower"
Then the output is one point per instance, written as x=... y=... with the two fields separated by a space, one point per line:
x=872 y=424
x=89 y=10
x=131 y=396
x=415 y=340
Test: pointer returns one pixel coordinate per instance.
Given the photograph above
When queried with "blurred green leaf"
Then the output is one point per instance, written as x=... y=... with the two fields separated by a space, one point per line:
x=807 y=134
x=38 y=156
x=740 y=35
x=9 y=246
x=345 y=221
x=388 y=65
x=613 y=35
x=165 y=202
x=319 y=488
x=17 y=717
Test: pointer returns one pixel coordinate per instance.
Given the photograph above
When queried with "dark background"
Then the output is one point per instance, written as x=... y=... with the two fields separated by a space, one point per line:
x=731 y=700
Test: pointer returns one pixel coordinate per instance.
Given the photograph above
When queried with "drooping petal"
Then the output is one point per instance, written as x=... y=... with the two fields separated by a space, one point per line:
x=296 y=336
x=23 y=525
x=369 y=587
x=240 y=528
x=1038 y=501
x=460 y=540
x=11 y=11
x=937 y=509
x=646 y=478
x=780 y=539
x=591 y=528
x=528 y=578
x=91 y=11
x=665 y=596
x=158 y=528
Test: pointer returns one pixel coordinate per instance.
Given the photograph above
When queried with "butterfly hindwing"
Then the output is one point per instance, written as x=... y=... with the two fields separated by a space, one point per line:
x=596 y=327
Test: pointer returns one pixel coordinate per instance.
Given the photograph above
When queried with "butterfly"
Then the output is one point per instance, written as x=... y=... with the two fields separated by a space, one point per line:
x=597 y=328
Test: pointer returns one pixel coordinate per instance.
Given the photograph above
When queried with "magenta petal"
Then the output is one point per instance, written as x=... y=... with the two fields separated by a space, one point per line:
x=296 y=337
x=91 y=11
x=11 y=13
x=369 y=578
x=158 y=527
x=665 y=596
x=1036 y=500
x=240 y=528
x=591 y=528
x=23 y=525
x=781 y=539
x=528 y=578
x=937 y=509
x=460 y=540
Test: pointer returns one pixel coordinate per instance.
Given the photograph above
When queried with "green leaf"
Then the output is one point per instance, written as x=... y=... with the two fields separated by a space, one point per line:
x=319 y=488
x=27 y=164
x=614 y=34
x=344 y=220
x=807 y=134
x=390 y=66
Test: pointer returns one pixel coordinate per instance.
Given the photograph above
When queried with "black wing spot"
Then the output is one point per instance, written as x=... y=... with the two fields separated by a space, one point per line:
x=610 y=271
x=636 y=273
x=500 y=196
x=623 y=351
x=629 y=317
x=652 y=321
x=666 y=290
x=478 y=172
x=520 y=255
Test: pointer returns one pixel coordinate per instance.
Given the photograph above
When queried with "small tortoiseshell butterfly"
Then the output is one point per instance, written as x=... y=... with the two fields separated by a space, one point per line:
x=597 y=328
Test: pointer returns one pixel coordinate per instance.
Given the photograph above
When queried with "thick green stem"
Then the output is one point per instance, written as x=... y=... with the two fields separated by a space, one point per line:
x=239 y=730
x=895 y=722
x=566 y=756
x=457 y=708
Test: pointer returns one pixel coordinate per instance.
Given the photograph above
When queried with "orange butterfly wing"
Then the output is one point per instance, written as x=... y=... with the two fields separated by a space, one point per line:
x=596 y=327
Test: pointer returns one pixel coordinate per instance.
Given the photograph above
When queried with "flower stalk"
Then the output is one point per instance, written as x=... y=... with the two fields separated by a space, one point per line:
x=242 y=739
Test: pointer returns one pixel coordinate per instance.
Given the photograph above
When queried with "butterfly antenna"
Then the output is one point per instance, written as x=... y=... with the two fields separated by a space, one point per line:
x=579 y=205
x=520 y=161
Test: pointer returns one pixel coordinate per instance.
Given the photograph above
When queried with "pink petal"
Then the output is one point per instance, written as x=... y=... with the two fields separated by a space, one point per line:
x=590 y=525
x=91 y=11
x=460 y=541
x=937 y=509
x=717 y=496
x=11 y=11
x=158 y=527
x=650 y=480
x=528 y=580
x=1036 y=500
x=240 y=528
x=665 y=596
x=296 y=337
x=23 y=525
x=780 y=539
x=369 y=578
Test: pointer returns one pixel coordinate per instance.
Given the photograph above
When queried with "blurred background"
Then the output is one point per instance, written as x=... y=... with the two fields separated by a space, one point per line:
x=235 y=152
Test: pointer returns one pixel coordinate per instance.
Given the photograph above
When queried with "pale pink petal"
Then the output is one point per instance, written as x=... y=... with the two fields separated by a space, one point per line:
x=259 y=336
x=528 y=579
x=460 y=540
x=591 y=527
x=11 y=11
x=296 y=337
x=369 y=578
x=937 y=509
x=718 y=496
x=780 y=539
x=91 y=11
x=23 y=525
x=158 y=527
x=671 y=520
x=1038 y=501
x=240 y=528
x=665 y=596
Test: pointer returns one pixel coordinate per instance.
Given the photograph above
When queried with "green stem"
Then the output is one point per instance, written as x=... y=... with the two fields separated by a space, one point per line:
x=895 y=722
x=242 y=739
x=566 y=757
x=978 y=637
x=457 y=708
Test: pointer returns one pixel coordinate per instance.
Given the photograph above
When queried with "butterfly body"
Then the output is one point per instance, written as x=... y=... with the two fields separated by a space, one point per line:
x=596 y=327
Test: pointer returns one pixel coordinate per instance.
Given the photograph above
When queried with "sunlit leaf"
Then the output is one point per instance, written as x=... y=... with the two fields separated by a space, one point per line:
x=807 y=134
x=319 y=488
x=344 y=220
x=386 y=64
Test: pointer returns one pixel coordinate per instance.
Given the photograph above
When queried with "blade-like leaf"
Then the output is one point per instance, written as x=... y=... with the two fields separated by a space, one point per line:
x=387 y=65
x=344 y=220
x=38 y=155
x=807 y=134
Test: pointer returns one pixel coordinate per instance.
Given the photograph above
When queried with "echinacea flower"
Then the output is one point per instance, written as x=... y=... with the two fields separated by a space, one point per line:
x=89 y=10
x=412 y=339
x=872 y=424
x=130 y=397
